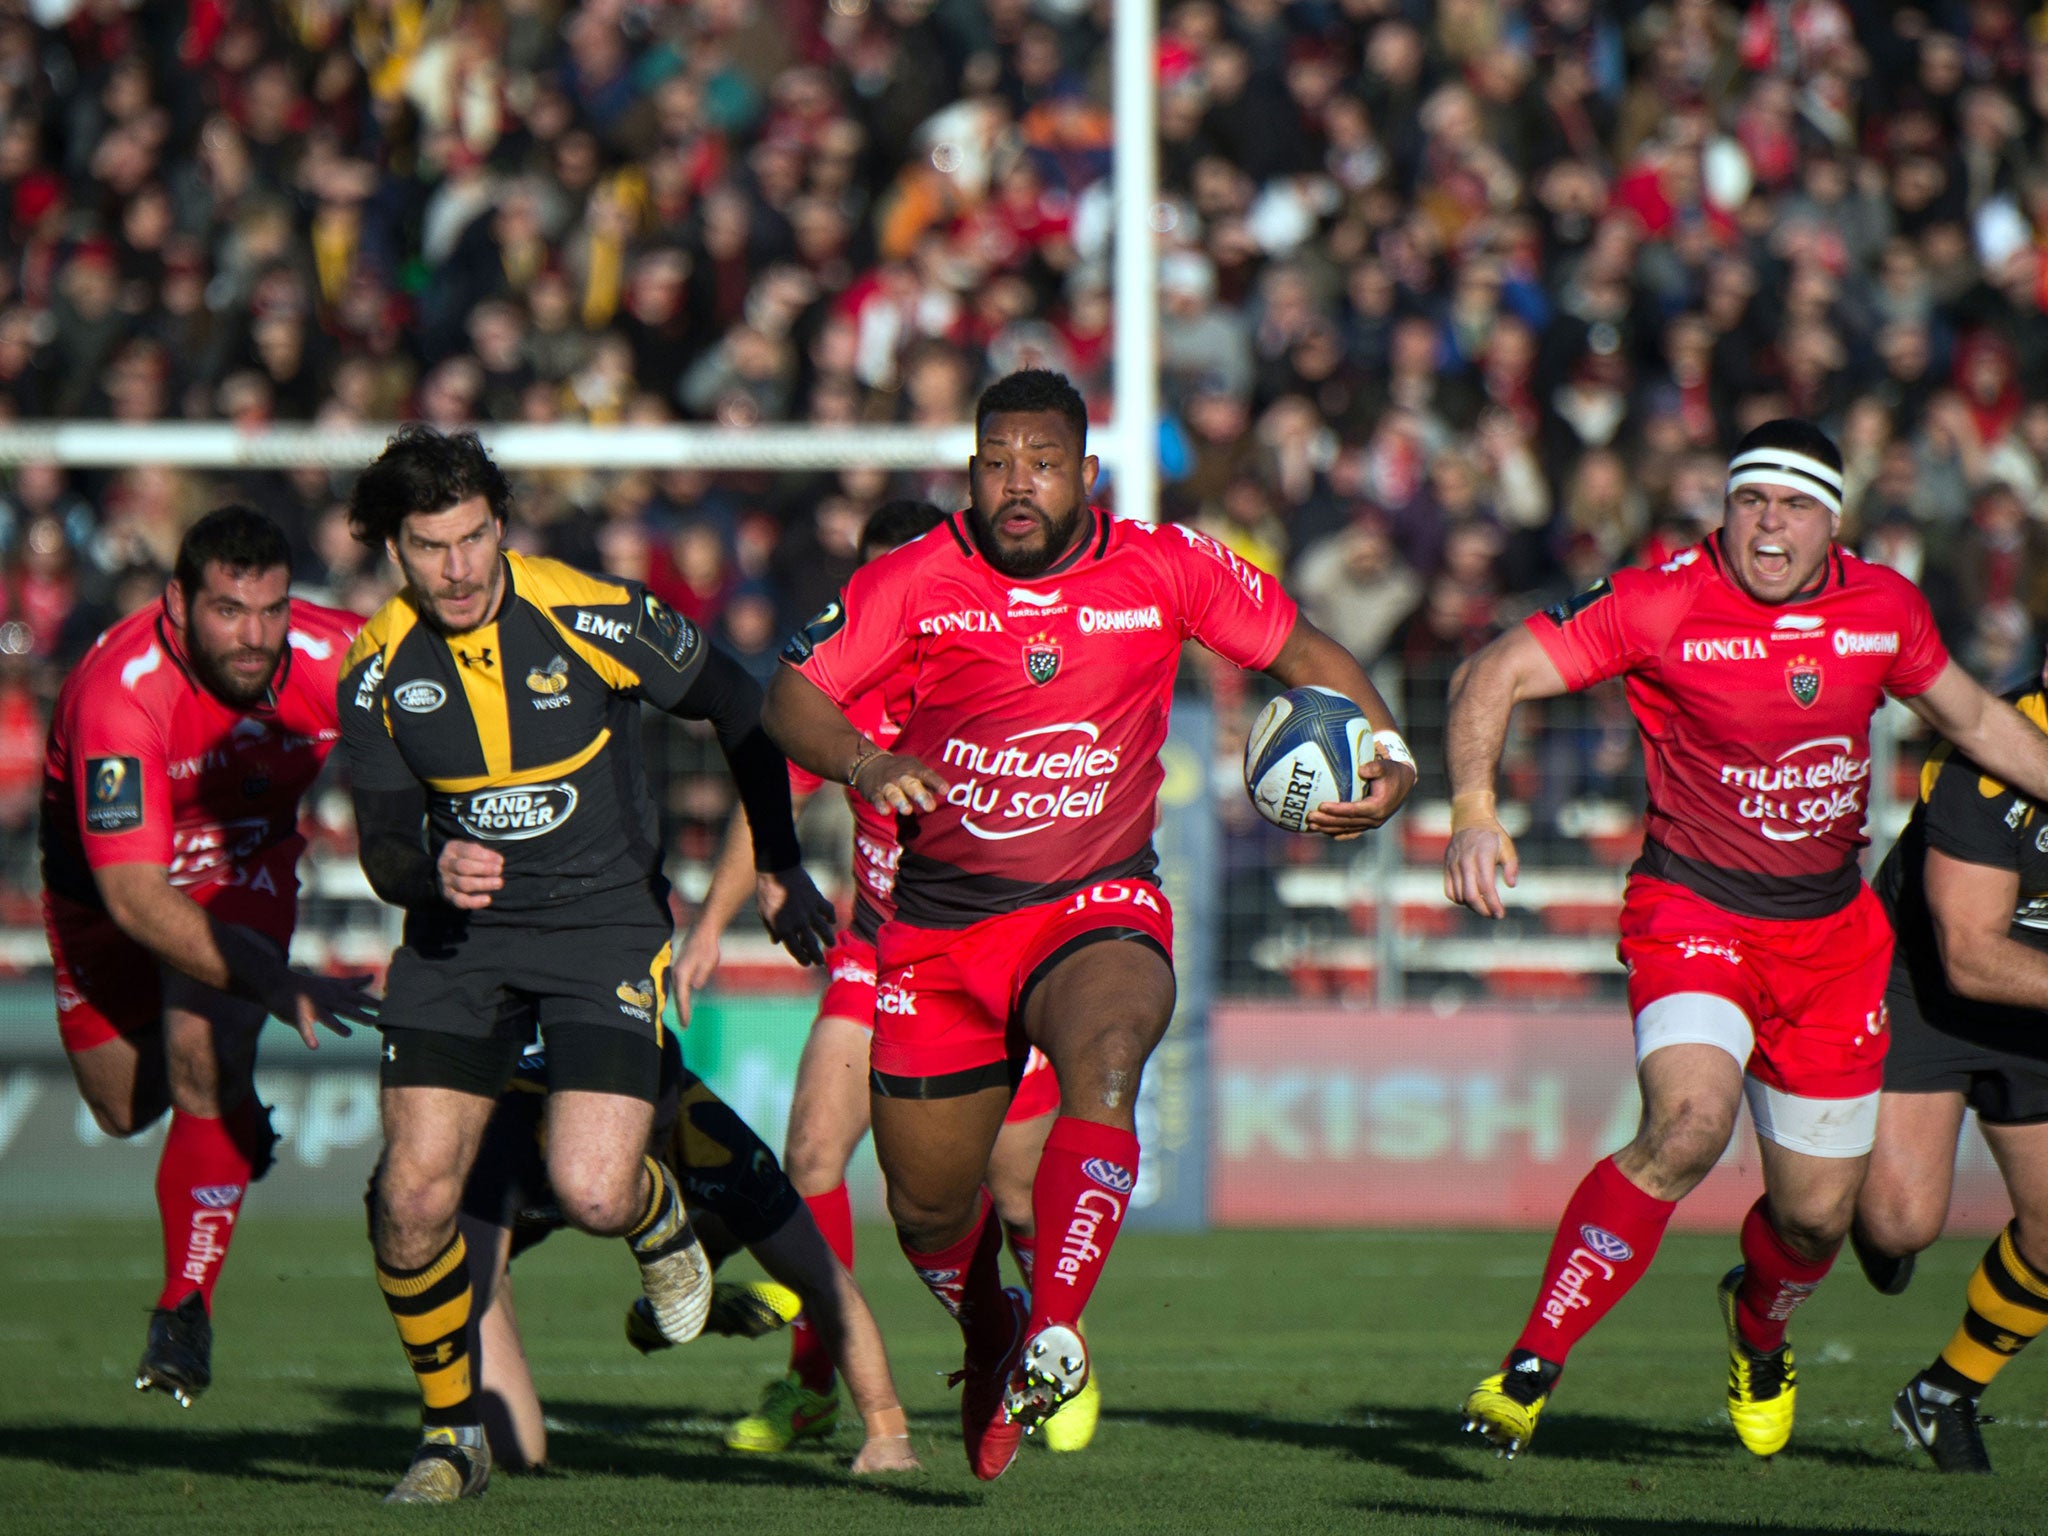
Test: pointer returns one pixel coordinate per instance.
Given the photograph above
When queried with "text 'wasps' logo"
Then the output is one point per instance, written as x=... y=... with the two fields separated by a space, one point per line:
x=108 y=779
x=553 y=680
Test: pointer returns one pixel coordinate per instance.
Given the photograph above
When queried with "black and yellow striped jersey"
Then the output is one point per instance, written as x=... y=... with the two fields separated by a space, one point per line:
x=1970 y=816
x=524 y=732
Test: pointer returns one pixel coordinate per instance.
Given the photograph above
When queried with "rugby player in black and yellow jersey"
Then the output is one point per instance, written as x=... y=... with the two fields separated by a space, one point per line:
x=490 y=722
x=1967 y=890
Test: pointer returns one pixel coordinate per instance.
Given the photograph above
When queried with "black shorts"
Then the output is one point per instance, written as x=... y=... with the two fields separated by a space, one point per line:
x=724 y=1169
x=1996 y=1061
x=462 y=999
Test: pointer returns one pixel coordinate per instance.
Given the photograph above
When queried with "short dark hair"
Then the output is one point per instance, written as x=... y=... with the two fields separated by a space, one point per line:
x=1034 y=389
x=236 y=537
x=1794 y=436
x=896 y=523
x=423 y=469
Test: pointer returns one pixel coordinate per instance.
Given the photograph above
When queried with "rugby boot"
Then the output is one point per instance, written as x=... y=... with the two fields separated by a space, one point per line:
x=1502 y=1410
x=1943 y=1424
x=752 y=1310
x=1051 y=1373
x=789 y=1412
x=985 y=1427
x=1074 y=1425
x=1888 y=1276
x=451 y=1463
x=675 y=1274
x=178 y=1357
x=1761 y=1385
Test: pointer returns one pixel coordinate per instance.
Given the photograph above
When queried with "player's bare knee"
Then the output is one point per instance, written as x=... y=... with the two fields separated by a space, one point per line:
x=930 y=1222
x=603 y=1206
x=1897 y=1222
x=1681 y=1142
x=120 y=1120
x=414 y=1212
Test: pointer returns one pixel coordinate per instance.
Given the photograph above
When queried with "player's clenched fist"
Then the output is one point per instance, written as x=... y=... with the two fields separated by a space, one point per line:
x=897 y=782
x=469 y=873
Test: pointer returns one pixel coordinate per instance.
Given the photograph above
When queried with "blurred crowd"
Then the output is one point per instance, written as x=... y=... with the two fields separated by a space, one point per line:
x=1463 y=301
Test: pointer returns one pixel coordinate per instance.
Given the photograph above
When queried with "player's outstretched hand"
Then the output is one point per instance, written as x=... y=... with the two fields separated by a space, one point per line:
x=795 y=913
x=886 y=1453
x=897 y=783
x=1386 y=784
x=696 y=963
x=310 y=1003
x=469 y=873
x=1479 y=846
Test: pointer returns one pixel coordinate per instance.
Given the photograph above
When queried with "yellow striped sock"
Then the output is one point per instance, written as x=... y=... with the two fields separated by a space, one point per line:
x=431 y=1307
x=2008 y=1308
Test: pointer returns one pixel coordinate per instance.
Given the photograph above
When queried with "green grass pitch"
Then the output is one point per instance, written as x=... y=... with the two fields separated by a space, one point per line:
x=1253 y=1382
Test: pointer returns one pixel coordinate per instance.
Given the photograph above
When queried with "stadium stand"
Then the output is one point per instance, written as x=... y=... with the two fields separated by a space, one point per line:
x=1463 y=302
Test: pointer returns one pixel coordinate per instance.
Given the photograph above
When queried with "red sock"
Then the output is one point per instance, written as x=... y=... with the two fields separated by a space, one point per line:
x=968 y=1280
x=1605 y=1242
x=1085 y=1178
x=833 y=1212
x=1775 y=1280
x=200 y=1181
x=1024 y=1249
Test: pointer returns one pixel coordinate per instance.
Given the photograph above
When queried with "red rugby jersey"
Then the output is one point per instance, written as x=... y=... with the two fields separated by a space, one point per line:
x=146 y=766
x=1043 y=702
x=875 y=850
x=1755 y=718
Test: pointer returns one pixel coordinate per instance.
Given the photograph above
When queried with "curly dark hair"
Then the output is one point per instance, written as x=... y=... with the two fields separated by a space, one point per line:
x=423 y=469
x=1034 y=389
x=237 y=538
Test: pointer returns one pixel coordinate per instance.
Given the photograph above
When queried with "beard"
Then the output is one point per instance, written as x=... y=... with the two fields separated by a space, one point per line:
x=227 y=686
x=1033 y=559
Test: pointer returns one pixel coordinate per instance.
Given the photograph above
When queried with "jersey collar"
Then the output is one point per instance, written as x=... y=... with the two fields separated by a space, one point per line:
x=1834 y=572
x=1091 y=546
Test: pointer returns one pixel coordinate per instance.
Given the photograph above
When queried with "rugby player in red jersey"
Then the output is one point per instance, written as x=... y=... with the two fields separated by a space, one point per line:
x=828 y=1113
x=1033 y=642
x=179 y=749
x=1757 y=958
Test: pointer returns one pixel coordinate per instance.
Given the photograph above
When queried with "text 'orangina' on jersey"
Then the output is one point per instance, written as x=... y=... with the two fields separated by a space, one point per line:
x=1755 y=717
x=1042 y=700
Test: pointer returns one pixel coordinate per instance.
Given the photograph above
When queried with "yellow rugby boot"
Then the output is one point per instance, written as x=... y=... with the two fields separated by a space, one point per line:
x=1761 y=1387
x=1502 y=1410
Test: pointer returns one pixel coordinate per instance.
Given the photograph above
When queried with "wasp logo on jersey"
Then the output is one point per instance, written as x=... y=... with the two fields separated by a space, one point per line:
x=637 y=998
x=514 y=815
x=551 y=684
x=114 y=794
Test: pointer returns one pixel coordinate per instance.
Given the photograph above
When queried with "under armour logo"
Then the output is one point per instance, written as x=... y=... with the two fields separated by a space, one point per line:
x=479 y=658
x=390 y=1051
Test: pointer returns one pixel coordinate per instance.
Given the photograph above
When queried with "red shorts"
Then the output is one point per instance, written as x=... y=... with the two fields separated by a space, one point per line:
x=107 y=984
x=1811 y=988
x=850 y=994
x=950 y=999
x=850 y=981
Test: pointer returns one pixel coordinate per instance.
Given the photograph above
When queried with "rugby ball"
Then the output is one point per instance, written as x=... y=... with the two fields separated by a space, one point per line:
x=1304 y=750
